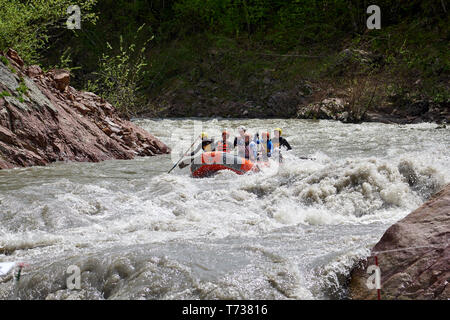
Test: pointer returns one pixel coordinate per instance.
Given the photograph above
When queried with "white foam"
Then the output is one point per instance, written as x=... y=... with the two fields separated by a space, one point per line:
x=363 y=176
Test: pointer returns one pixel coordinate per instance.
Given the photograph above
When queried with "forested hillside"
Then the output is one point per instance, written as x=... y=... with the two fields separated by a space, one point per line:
x=243 y=58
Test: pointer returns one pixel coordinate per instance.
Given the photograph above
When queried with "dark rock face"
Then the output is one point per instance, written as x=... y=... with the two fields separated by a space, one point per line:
x=43 y=119
x=413 y=255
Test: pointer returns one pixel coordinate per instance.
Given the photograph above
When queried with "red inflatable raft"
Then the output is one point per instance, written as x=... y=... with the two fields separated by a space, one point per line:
x=209 y=163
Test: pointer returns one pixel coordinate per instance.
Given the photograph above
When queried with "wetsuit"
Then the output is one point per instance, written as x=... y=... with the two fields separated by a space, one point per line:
x=279 y=142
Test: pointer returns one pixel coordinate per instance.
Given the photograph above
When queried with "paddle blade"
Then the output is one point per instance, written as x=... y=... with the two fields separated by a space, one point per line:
x=183 y=165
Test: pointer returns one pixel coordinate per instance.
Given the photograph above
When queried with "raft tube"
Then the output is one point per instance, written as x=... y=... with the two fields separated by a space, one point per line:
x=209 y=163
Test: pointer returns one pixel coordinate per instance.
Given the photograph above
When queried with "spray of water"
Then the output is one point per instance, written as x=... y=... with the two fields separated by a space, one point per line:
x=291 y=231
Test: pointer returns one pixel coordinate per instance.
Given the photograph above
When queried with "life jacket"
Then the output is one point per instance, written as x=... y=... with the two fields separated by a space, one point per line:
x=256 y=139
x=266 y=149
x=223 y=146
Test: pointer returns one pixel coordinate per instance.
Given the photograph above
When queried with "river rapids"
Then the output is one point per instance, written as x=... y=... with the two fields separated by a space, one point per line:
x=292 y=231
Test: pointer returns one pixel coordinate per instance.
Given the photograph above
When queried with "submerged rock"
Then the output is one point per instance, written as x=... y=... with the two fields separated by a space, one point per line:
x=43 y=119
x=413 y=255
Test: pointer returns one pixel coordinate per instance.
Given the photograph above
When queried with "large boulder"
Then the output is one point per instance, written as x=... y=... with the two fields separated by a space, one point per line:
x=43 y=119
x=413 y=256
x=330 y=108
x=62 y=79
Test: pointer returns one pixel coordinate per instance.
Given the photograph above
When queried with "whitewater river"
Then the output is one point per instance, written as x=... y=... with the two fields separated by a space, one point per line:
x=290 y=232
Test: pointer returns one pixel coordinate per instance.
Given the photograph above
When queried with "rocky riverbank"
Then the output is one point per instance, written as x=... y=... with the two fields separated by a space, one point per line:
x=341 y=110
x=292 y=104
x=43 y=119
x=350 y=86
x=413 y=255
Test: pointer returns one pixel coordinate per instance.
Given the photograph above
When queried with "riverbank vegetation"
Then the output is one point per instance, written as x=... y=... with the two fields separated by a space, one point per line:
x=242 y=58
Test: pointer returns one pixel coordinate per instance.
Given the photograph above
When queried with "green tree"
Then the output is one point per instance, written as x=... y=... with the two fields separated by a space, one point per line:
x=27 y=26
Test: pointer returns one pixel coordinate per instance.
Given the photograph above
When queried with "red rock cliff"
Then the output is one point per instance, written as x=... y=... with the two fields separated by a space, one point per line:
x=43 y=119
x=413 y=256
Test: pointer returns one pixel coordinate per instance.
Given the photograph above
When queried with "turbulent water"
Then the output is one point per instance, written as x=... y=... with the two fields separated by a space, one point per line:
x=293 y=231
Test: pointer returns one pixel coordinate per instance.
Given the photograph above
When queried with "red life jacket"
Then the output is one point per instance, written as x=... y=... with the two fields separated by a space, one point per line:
x=223 y=146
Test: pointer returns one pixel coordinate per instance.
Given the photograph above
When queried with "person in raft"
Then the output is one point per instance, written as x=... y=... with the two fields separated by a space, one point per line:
x=278 y=141
x=224 y=145
x=251 y=148
x=266 y=146
x=206 y=145
x=239 y=142
x=256 y=138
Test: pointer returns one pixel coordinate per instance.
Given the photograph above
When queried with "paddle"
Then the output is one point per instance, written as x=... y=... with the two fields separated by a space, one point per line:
x=183 y=155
